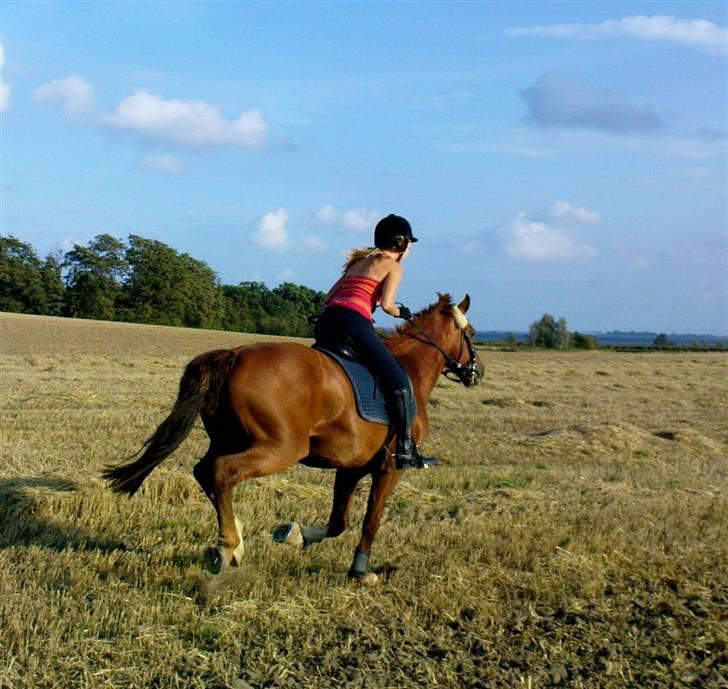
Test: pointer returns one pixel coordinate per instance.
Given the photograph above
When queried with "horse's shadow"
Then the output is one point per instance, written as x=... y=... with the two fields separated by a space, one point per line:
x=21 y=523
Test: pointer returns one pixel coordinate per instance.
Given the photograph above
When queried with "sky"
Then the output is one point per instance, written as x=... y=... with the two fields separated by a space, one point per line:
x=552 y=157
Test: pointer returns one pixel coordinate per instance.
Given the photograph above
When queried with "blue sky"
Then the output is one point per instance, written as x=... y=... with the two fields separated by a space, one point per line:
x=561 y=157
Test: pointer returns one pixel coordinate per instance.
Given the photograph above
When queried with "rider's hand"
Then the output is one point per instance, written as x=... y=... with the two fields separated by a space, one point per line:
x=404 y=312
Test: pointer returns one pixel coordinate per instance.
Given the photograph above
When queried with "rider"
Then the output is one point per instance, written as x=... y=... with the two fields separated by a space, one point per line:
x=373 y=275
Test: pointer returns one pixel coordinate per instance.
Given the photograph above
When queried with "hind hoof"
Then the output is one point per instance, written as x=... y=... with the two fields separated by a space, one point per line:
x=366 y=579
x=215 y=560
x=288 y=533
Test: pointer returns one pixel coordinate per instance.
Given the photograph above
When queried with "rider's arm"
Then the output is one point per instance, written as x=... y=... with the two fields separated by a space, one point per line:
x=389 y=289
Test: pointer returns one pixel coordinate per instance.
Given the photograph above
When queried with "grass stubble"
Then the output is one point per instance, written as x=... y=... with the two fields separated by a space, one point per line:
x=574 y=535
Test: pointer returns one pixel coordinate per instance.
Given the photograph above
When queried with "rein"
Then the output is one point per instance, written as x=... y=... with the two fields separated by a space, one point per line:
x=464 y=373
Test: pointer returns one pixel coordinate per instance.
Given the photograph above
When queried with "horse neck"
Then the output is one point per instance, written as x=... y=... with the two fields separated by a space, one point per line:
x=422 y=361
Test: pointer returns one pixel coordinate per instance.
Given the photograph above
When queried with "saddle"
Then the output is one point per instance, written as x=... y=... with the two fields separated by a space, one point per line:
x=371 y=403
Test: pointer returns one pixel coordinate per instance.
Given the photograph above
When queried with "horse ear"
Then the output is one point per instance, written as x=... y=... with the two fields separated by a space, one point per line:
x=464 y=305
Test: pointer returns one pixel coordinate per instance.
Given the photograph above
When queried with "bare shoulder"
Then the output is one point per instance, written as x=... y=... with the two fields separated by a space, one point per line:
x=390 y=266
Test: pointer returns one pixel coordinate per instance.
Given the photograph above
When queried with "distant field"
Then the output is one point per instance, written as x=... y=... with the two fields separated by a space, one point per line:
x=574 y=536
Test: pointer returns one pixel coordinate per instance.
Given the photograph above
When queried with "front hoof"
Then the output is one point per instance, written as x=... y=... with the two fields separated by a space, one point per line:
x=288 y=533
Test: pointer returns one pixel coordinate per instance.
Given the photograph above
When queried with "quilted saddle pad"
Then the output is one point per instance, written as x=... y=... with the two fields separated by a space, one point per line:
x=370 y=400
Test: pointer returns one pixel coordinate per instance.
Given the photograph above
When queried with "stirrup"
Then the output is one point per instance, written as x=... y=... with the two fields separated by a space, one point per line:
x=414 y=460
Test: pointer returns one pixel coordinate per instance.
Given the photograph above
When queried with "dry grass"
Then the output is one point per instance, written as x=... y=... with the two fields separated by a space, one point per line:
x=574 y=536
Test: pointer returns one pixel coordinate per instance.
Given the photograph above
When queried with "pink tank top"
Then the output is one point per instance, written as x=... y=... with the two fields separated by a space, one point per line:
x=359 y=293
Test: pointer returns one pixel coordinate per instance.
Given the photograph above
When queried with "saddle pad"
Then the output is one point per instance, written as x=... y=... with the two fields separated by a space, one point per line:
x=370 y=401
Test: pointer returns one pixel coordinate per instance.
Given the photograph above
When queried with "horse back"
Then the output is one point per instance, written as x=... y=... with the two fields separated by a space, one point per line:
x=288 y=393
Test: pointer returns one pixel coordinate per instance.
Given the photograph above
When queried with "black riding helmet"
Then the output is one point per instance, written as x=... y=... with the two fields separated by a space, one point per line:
x=393 y=231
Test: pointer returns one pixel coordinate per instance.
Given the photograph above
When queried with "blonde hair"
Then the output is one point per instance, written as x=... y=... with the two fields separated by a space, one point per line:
x=357 y=254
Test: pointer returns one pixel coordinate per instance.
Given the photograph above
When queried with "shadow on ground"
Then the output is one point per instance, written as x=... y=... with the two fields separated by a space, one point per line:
x=22 y=523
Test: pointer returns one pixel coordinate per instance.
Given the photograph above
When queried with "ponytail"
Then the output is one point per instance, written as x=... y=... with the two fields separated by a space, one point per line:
x=357 y=254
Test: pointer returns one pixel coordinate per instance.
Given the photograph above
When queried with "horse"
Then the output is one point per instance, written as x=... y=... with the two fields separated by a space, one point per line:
x=268 y=406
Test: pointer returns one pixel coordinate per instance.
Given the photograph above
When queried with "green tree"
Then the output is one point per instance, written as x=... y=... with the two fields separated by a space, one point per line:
x=93 y=278
x=302 y=302
x=168 y=288
x=252 y=307
x=549 y=333
x=21 y=281
x=662 y=340
x=583 y=341
x=52 y=280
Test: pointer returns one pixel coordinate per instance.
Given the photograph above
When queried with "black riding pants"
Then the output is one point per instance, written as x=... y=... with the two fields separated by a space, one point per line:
x=339 y=325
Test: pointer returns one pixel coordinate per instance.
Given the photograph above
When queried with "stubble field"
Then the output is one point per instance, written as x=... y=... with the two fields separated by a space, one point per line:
x=574 y=535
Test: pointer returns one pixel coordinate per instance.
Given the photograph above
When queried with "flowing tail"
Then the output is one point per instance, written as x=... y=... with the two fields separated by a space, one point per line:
x=199 y=389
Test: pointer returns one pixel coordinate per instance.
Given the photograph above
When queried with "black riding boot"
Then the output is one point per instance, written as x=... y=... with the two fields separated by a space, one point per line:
x=407 y=456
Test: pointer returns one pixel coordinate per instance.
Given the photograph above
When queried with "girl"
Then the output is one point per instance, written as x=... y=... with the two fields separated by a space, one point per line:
x=372 y=276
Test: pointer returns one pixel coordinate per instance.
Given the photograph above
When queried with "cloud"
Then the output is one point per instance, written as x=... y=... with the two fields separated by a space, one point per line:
x=559 y=101
x=533 y=240
x=563 y=210
x=74 y=93
x=162 y=165
x=187 y=124
x=356 y=219
x=698 y=33
x=312 y=243
x=272 y=234
x=4 y=86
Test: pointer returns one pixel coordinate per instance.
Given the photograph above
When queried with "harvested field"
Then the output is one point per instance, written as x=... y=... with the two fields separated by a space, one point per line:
x=574 y=535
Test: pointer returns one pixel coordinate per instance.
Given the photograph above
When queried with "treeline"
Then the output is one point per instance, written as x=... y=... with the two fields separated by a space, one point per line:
x=146 y=281
x=551 y=333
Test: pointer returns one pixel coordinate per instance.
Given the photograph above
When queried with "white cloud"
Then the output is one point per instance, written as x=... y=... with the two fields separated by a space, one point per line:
x=312 y=243
x=356 y=219
x=285 y=275
x=537 y=241
x=271 y=232
x=4 y=86
x=699 y=33
x=74 y=93
x=563 y=210
x=188 y=124
x=162 y=165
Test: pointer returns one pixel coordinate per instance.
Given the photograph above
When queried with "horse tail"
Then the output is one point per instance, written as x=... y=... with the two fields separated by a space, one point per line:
x=199 y=390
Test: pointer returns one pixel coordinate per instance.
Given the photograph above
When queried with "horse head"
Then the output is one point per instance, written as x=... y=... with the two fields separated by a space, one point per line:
x=445 y=327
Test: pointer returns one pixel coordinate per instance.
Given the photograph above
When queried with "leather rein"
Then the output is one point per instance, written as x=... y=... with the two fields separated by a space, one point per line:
x=467 y=374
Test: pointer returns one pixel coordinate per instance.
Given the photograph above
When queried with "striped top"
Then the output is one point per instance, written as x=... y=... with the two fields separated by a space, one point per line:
x=359 y=293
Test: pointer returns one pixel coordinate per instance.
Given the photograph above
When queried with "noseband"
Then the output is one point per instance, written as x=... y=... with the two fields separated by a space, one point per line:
x=467 y=374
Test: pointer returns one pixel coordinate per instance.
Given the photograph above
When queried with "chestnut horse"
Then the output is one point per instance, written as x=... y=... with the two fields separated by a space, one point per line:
x=268 y=406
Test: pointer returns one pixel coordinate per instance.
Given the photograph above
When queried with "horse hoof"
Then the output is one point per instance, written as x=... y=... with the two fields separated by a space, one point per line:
x=367 y=579
x=237 y=558
x=313 y=534
x=215 y=560
x=288 y=533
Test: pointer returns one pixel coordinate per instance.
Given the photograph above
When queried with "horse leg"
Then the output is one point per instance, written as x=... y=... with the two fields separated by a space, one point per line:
x=344 y=486
x=382 y=485
x=295 y=534
x=203 y=473
x=228 y=471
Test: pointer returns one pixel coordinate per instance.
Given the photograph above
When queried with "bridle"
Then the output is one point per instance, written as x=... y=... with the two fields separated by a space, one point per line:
x=467 y=374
